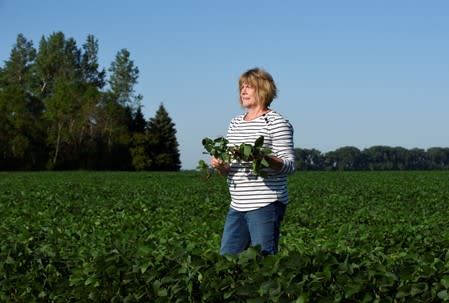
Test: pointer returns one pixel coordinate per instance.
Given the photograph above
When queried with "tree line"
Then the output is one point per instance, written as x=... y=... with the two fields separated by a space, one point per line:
x=379 y=157
x=59 y=110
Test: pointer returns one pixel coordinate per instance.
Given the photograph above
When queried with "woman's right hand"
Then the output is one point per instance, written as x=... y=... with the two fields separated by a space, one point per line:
x=219 y=165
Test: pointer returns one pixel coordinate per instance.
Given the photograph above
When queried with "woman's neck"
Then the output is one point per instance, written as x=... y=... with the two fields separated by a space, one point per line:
x=253 y=113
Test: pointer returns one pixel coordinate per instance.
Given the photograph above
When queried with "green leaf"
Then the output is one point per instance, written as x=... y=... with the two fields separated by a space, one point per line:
x=42 y=294
x=143 y=267
x=247 y=151
x=248 y=255
x=264 y=163
x=259 y=141
x=443 y=295
x=445 y=282
x=227 y=294
x=301 y=299
x=9 y=260
x=162 y=292
x=202 y=165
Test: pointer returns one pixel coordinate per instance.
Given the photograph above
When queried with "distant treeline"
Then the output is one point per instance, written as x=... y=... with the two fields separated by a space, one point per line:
x=374 y=158
x=60 y=110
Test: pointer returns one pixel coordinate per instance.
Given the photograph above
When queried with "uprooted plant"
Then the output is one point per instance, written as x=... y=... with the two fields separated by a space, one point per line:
x=256 y=154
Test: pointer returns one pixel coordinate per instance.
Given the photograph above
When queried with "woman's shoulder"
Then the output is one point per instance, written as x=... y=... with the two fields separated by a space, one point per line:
x=276 y=121
x=274 y=116
x=237 y=118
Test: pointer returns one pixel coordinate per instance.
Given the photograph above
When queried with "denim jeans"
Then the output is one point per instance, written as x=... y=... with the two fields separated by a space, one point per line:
x=256 y=227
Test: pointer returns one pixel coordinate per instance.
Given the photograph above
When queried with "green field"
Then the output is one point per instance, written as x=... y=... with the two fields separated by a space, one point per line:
x=154 y=237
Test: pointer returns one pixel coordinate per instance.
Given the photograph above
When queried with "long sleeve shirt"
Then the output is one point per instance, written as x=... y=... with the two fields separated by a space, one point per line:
x=248 y=190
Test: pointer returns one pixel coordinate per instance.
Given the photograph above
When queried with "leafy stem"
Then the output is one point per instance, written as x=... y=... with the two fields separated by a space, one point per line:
x=219 y=148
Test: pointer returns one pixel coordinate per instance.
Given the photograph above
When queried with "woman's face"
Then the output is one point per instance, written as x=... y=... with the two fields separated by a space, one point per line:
x=248 y=95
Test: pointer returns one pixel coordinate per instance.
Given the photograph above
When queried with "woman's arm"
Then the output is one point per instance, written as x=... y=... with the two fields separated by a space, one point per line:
x=275 y=163
x=282 y=159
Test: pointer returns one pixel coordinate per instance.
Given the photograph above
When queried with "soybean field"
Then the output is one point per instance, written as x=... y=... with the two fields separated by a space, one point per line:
x=155 y=237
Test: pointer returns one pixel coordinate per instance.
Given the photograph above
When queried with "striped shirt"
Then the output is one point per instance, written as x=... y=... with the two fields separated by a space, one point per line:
x=249 y=191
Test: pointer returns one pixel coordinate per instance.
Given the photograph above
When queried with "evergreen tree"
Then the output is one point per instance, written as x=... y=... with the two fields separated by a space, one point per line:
x=141 y=150
x=135 y=121
x=139 y=124
x=164 y=152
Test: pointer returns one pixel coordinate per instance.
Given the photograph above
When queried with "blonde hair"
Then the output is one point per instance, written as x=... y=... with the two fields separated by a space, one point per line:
x=263 y=83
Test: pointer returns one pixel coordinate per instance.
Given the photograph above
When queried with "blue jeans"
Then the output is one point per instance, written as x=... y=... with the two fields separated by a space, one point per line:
x=255 y=227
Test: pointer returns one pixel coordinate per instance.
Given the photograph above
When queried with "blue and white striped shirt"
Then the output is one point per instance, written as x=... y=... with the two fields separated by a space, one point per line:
x=249 y=191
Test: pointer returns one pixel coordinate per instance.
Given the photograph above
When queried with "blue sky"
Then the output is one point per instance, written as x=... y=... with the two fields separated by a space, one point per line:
x=349 y=73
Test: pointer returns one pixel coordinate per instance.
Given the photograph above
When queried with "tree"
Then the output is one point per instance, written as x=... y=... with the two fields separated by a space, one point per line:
x=143 y=142
x=141 y=150
x=20 y=111
x=58 y=59
x=116 y=111
x=89 y=134
x=70 y=84
x=309 y=159
x=164 y=149
x=120 y=99
x=346 y=158
x=438 y=157
x=124 y=77
x=89 y=64
x=417 y=159
x=376 y=157
x=58 y=66
x=139 y=125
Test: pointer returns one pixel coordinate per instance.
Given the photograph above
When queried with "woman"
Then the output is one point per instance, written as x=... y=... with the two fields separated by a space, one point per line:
x=257 y=203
